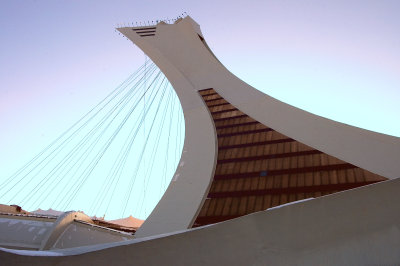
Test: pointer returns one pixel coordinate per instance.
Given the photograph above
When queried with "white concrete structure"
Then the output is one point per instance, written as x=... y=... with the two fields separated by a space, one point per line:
x=180 y=51
x=352 y=227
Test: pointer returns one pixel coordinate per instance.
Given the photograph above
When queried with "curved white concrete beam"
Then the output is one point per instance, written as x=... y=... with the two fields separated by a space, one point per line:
x=186 y=193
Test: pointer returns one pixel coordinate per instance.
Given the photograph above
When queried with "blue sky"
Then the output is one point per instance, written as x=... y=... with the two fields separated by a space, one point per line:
x=338 y=59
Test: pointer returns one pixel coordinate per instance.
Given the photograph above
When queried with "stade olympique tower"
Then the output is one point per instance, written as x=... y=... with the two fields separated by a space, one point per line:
x=259 y=181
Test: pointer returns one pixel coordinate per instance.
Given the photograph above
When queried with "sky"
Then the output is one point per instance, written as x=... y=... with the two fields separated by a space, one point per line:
x=338 y=59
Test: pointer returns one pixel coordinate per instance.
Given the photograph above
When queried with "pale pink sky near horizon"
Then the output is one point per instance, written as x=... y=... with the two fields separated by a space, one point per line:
x=338 y=59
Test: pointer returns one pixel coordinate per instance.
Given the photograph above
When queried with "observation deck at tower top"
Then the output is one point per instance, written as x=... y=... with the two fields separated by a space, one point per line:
x=149 y=29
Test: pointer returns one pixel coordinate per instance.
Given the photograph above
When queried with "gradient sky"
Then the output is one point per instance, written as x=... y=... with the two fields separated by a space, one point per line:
x=339 y=59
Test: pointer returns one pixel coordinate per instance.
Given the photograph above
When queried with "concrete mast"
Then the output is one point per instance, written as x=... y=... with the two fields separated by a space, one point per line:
x=182 y=54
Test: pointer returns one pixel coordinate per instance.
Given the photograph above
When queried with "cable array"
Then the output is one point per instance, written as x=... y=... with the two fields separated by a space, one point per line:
x=116 y=160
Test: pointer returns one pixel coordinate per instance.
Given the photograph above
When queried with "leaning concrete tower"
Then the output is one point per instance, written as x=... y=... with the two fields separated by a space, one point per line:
x=246 y=151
